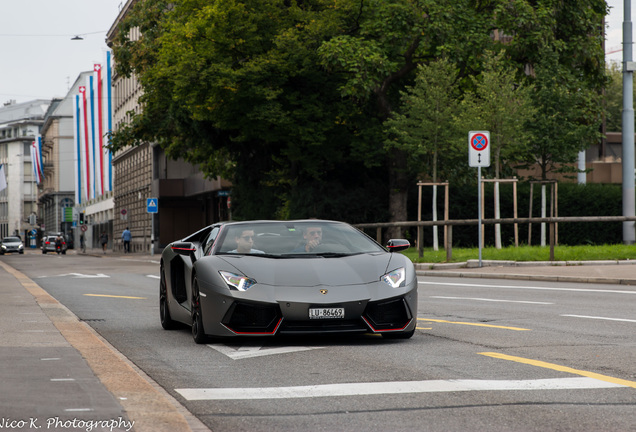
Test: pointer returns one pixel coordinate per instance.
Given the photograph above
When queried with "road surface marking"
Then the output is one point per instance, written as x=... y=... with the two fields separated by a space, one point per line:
x=528 y=287
x=490 y=300
x=600 y=318
x=383 y=388
x=256 y=350
x=560 y=368
x=153 y=276
x=115 y=296
x=474 y=324
x=78 y=275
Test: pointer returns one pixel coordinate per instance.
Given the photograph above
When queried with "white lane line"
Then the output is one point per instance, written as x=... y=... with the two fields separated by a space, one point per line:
x=528 y=287
x=599 y=318
x=62 y=379
x=490 y=300
x=153 y=276
x=378 y=388
x=246 y=351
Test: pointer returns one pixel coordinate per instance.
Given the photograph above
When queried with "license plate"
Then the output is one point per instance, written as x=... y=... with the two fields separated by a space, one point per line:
x=326 y=313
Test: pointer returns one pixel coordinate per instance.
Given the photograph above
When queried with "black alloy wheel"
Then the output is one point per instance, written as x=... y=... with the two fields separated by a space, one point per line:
x=164 y=309
x=198 y=333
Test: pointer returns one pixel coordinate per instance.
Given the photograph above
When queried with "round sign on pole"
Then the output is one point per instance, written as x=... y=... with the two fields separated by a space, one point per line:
x=479 y=149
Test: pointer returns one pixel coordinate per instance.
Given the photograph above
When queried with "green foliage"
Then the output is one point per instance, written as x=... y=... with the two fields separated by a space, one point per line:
x=529 y=253
x=288 y=99
x=566 y=120
x=426 y=128
x=501 y=105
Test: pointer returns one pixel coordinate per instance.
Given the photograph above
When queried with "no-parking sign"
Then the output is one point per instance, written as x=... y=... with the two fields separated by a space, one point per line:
x=479 y=148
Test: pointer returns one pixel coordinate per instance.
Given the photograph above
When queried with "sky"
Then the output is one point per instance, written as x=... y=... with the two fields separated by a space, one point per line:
x=38 y=59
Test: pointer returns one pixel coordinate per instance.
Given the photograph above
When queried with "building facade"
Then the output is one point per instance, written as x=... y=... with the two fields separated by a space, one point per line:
x=20 y=123
x=56 y=198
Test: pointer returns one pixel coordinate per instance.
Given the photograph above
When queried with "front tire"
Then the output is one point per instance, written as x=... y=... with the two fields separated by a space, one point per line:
x=198 y=332
x=164 y=309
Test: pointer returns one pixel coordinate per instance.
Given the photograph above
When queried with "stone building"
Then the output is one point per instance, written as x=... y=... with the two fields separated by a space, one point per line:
x=19 y=125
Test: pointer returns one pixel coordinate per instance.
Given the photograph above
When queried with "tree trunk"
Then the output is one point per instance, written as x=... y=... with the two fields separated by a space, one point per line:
x=398 y=187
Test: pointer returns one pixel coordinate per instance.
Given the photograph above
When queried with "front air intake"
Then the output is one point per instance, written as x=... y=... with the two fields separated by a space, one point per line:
x=391 y=314
x=252 y=319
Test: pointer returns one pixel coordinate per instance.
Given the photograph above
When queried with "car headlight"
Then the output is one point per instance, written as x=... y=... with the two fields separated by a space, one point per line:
x=21 y=246
x=395 y=278
x=4 y=247
x=235 y=281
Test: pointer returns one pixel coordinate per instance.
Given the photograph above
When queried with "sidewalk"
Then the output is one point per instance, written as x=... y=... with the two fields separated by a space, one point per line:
x=57 y=374
x=600 y=272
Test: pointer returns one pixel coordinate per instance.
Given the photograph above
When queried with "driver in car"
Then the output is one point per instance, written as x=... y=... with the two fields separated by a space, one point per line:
x=244 y=242
x=312 y=237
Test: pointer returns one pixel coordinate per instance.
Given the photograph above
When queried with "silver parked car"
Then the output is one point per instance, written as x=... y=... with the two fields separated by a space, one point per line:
x=267 y=278
x=11 y=245
x=48 y=244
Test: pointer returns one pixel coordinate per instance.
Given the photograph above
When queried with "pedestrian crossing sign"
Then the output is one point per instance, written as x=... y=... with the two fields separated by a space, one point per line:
x=152 y=205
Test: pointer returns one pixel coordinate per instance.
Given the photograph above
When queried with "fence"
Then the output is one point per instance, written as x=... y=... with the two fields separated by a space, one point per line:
x=448 y=238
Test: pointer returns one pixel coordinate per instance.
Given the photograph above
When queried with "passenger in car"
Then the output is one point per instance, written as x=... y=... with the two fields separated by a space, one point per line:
x=244 y=242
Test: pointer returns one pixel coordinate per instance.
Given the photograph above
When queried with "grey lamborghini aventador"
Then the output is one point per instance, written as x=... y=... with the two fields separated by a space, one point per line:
x=287 y=277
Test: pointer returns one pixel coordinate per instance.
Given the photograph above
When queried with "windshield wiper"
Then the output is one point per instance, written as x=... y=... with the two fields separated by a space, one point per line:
x=334 y=254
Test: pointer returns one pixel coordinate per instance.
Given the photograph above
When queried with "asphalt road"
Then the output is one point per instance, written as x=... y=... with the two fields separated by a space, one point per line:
x=490 y=355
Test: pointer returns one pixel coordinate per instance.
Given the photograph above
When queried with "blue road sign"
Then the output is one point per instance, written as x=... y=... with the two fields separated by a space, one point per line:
x=152 y=205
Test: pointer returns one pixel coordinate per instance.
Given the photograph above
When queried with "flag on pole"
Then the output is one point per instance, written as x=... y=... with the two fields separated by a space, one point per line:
x=93 y=112
x=3 y=178
x=36 y=159
x=77 y=148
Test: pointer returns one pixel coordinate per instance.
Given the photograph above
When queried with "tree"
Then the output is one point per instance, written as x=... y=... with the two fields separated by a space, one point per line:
x=500 y=104
x=288 y=98
x=566 y=120
x=424 y=127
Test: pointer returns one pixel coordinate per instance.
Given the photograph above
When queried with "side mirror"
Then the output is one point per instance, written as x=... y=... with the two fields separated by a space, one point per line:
x=397 y=245
x=184 y=249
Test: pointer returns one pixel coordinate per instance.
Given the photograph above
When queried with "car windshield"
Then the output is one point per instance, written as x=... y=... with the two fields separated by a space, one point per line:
x=11 y=240
x=294 y=239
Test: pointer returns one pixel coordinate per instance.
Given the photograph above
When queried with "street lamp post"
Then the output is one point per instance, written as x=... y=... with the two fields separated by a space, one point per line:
x=628 y=124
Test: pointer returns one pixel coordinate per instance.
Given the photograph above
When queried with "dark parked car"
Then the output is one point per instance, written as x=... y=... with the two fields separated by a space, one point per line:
x=70 y=243
x=269 y=278
x=11 y=245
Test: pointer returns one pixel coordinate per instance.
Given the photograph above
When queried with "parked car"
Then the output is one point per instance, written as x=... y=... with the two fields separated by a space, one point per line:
x=268 y=278
x=70 y=243
x=11 y=245
x=48 y=244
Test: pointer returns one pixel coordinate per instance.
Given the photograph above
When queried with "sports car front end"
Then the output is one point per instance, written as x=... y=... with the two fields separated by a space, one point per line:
x=273 y=296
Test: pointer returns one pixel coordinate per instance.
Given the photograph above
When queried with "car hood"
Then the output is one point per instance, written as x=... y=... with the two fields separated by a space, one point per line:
x=316 y=271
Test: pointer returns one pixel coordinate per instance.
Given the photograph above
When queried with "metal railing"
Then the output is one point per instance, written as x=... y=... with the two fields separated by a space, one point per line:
x=448 y=239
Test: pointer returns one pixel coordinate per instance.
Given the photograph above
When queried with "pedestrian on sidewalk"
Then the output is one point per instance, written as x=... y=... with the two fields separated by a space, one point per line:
x=103 y=239
x=126 y=236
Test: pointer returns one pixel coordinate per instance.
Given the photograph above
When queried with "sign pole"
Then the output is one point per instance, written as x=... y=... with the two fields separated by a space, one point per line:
x=152 y=234
x=479 y=156
x=479 y=236
x=152 y=207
